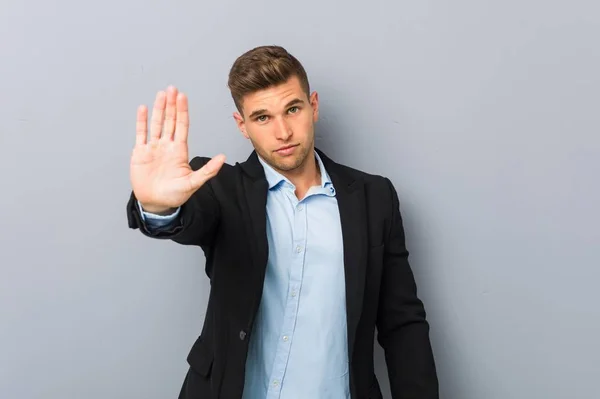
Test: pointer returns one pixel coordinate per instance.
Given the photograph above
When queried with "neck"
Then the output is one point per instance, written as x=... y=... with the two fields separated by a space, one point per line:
x=306 y=176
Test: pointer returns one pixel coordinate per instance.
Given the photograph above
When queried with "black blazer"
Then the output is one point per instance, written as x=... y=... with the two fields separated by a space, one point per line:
x=227 y=218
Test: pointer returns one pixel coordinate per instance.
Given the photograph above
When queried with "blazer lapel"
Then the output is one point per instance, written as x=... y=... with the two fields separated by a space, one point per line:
x=252 y=190
x=350 y=195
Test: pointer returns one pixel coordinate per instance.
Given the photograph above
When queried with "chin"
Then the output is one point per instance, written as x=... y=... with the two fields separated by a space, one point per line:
x=287 y=164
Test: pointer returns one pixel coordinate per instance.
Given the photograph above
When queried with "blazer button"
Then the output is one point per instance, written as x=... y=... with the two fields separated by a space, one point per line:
x=242 y=335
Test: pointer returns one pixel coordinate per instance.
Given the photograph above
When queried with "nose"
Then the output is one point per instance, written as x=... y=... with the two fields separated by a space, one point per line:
x=284 y=132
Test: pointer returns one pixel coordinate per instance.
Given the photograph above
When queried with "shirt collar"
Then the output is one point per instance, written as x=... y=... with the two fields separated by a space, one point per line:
x=275 y=178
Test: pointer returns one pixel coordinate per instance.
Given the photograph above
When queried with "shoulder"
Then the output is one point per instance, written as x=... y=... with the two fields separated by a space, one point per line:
x=199 y=161
x=224 y=185
x=373 y=182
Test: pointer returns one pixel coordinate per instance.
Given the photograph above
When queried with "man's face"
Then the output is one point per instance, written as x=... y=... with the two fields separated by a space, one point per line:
x=279 y=121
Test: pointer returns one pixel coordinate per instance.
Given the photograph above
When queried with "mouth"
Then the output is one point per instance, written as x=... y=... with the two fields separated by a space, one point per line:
x=287 y=150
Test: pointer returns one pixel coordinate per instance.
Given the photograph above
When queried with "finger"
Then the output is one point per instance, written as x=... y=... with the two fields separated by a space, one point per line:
x=141 y=126
x=158 y=114
x=208 y=171
x=169 y=126
x=183 y=119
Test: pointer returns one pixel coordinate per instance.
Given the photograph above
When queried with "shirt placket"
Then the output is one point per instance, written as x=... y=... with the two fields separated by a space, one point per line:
x=297 y=257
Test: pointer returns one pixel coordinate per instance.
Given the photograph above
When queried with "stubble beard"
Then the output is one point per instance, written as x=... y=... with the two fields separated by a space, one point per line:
x=272 y=160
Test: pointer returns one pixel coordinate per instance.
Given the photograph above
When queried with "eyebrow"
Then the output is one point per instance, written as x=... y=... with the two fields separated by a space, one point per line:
x=258 y=112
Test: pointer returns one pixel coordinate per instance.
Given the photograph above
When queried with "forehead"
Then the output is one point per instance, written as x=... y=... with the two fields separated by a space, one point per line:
x=275 y=97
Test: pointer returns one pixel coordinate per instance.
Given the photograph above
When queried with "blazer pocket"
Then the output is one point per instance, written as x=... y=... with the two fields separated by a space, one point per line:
x=201 y=357
x=376 y=246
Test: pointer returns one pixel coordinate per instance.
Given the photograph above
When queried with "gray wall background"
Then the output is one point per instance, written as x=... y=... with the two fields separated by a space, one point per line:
x=484 y=114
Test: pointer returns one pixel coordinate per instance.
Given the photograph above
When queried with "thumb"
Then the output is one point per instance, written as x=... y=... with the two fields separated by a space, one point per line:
x=208 y=171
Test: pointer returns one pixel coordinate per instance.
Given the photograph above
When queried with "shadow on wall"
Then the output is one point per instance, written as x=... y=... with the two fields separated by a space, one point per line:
x=381 y=371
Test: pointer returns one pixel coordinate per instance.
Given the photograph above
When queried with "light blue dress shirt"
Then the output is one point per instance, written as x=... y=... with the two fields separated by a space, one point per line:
x=298 y=346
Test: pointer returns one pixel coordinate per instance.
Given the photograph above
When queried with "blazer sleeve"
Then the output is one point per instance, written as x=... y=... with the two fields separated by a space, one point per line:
x=196 y=221
x=403 y=331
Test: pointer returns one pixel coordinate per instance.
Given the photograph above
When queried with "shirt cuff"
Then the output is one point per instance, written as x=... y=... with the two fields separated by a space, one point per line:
x=154 y=220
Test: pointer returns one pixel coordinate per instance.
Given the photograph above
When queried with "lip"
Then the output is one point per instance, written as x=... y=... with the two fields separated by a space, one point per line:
x=287 y=150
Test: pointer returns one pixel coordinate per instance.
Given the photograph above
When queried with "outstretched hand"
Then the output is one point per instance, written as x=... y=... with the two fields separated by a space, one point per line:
x=160 y=174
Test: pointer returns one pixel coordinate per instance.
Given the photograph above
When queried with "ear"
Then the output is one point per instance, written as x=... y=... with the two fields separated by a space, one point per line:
x=241 y=124
x=314 y=103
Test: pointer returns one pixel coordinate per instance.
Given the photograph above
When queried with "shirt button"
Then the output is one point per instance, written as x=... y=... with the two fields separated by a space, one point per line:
x=298 y=249
x=285 y=338
x=293 y=293
x=242 y=335
x=300 y=208
x=276 y=383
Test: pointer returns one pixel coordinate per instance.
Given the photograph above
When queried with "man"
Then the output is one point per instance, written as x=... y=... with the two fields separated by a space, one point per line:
x=306 y=257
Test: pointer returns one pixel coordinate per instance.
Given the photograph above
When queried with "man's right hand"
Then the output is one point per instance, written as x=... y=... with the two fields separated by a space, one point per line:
x=160 y=174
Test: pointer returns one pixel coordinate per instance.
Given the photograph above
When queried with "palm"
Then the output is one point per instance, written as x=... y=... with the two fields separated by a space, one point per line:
x=161 y=176
x=159 y=172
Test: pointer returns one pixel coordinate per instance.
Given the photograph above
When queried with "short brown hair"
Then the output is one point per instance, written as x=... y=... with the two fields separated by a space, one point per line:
x=261 y=68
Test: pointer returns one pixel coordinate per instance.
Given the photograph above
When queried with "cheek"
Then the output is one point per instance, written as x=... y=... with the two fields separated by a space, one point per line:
x=309 y=128
x=262 y=134
x=303 y=126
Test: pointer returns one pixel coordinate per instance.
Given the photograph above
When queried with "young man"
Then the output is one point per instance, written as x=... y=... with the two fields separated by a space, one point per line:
x=306 y=257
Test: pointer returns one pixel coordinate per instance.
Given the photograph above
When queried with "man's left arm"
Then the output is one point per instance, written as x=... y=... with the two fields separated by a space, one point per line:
x=403 y=331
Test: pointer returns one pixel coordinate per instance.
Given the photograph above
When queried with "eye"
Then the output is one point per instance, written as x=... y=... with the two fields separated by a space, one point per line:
x=293 y=110
x=261 y=118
